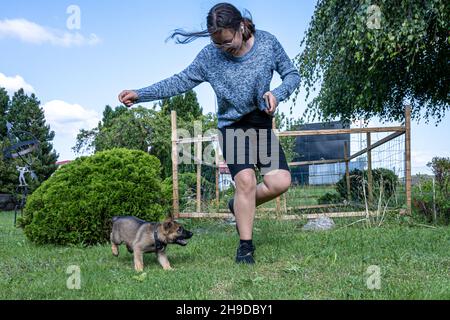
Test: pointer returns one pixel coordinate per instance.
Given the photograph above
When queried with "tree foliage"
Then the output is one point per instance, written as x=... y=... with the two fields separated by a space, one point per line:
x=25 y=114
x=371 y=57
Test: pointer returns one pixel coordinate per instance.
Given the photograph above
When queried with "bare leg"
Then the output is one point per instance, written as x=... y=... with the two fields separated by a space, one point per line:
x=248 y=196
x=244 y=202
x=274 y=184
x=163 y=261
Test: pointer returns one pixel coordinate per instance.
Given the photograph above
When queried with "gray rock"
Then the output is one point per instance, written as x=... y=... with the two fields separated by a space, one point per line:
x=319 y=224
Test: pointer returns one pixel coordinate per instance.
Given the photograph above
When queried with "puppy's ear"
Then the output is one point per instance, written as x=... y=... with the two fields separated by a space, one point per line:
x=168 y=224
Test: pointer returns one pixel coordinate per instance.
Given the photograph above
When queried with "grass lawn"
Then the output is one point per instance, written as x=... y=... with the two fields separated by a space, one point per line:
x=291 y=264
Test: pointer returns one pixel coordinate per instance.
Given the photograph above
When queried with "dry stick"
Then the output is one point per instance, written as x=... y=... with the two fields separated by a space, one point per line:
x=386 y=204
x=381 y=197
x=365 y=201
x=360 y=220
x=424 y=225
x=384 y=213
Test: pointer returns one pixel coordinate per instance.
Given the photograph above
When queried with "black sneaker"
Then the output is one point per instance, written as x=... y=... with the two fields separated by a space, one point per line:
x=231 y=208
x=245 y=254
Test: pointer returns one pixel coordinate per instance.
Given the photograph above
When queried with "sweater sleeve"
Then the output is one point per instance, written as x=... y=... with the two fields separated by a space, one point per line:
x=178 y=84
x=289 y=74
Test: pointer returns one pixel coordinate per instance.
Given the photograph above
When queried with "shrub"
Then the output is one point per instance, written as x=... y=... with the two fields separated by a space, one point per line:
x=76 y=204
x=433 y=201
x=441 y=171
x=381 y=177
x=330 y=198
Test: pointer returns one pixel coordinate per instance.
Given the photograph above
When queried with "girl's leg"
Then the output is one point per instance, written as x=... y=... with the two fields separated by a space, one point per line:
x=276 y=181
x=274 y=184
x=245 y=202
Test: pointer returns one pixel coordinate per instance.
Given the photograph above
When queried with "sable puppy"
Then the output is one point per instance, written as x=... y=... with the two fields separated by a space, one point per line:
x=141 y=237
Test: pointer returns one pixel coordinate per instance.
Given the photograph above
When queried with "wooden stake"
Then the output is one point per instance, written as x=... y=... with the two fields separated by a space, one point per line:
x=408 y=158
x=217 y=176
x=176 y=206
x=347 y=170
x=199 y=174
x=369 y=169
x=278 y=201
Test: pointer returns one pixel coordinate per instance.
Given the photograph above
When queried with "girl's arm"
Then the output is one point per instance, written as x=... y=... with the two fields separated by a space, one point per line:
x=287 y=71
x=180 y=83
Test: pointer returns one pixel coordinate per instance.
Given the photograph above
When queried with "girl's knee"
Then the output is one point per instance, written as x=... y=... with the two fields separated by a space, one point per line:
x=279 y=183
x=245 y=180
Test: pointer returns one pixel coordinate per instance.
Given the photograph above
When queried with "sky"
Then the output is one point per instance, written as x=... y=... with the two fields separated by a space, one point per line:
x=77 y=56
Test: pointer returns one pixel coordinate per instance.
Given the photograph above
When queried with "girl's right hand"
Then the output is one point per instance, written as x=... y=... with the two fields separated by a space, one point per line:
x=128 y=97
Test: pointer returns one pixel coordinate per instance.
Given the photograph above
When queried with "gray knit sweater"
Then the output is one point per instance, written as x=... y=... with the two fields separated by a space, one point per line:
x=239 y=82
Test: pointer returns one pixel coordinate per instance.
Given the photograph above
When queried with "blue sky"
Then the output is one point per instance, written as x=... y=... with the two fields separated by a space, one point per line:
x=121 y=45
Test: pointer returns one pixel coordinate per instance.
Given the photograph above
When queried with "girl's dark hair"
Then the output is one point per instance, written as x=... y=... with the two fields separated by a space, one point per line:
x=221 y=16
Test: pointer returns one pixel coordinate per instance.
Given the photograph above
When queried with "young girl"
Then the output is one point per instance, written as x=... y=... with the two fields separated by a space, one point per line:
x=239 y=65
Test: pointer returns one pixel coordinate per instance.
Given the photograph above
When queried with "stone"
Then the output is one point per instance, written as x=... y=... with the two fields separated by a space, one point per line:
x=320 y=224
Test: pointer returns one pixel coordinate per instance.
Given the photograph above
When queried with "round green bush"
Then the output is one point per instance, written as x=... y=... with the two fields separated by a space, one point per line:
x=76 y=204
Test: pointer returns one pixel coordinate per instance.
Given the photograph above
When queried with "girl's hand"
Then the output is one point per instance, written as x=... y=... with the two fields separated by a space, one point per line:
x=271 y=103
x=128 y=97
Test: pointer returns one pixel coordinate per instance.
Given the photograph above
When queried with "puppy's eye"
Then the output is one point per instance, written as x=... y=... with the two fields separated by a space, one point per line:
x=180 y=230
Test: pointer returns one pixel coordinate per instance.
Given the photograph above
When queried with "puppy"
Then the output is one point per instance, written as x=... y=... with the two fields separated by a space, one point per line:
x=141 y=237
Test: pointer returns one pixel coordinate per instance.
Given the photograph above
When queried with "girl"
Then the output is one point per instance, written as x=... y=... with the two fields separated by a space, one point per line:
x=239 y=65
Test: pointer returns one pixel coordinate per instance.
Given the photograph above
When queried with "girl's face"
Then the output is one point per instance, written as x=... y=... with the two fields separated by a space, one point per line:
x=228 y=40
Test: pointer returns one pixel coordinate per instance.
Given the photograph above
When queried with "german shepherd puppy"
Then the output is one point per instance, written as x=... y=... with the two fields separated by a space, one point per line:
x=141 y=237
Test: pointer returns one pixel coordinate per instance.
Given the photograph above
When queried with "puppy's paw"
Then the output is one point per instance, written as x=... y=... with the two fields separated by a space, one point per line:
x=115 y=250
x=139 y=269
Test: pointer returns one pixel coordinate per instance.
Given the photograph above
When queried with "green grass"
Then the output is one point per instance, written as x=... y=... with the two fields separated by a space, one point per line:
x=291 y=264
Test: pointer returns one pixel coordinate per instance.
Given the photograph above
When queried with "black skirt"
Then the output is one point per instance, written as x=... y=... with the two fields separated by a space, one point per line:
x=250 y=143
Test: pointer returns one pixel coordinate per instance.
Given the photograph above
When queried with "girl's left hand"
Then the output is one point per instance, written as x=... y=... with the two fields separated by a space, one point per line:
x=271 y=103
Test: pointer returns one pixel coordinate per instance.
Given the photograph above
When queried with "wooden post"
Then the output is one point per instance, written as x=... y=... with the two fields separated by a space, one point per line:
x=176 y=205
x=408 y=158
x=278 y=201
x=369 y=169
x=199 y=174
x=217 y=175
x=347 y=170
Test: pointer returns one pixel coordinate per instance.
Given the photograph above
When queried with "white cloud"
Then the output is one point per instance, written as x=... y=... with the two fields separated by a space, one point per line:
x=33 y=33
x=420 y=158
x=67 y=119
x=13 y=84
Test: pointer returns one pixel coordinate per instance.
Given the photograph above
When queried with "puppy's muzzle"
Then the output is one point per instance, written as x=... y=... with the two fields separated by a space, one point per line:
x=181 y=240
